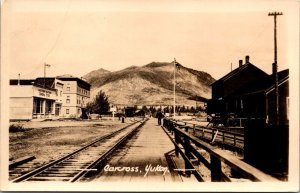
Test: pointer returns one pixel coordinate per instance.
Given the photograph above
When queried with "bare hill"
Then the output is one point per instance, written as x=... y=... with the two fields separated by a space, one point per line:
x=151 y=84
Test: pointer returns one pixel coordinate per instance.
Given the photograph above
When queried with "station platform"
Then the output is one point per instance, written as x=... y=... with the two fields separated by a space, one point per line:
x=145 y=158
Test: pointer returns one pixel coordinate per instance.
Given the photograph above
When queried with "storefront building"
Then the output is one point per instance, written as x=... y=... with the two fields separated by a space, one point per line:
x=48 y=98
x=29 y=100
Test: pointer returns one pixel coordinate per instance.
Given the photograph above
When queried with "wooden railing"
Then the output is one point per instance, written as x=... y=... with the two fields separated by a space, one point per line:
x=188 y=147
x=220 y=136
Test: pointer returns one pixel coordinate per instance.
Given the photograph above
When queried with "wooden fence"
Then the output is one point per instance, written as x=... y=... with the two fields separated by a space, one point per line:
x=216 y=135
x=188 y=147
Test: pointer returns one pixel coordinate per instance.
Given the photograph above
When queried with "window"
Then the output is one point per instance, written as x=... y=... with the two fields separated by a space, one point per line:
x=57 y=109
x=60 y=93
x=78 y=111
x=67 y=111
x=68 y=99
x=48 y=107
x=68 y=88
x=37 y=106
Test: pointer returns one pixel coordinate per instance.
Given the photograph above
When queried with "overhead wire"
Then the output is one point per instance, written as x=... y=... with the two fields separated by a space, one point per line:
x=59 y=33
x=40 y=64
x=246 y=49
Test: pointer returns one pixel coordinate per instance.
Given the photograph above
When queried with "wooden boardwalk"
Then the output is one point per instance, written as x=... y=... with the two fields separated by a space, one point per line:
x=143 y=158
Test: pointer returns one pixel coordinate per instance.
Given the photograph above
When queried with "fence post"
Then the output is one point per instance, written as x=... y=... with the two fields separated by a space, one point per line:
x=234 y=142
x=215 y=169
x=223 y=140
x=188 y=154
x=194 y=129
x=176 y=141
x=186 y=129
x=172 y=126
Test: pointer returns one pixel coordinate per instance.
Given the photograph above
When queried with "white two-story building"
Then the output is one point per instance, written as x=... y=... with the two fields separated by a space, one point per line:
x=43 y=98
x=76 y=94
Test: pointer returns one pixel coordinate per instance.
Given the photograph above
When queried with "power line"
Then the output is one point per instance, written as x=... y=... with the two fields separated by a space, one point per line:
x=38 y=65
x=247 y=48
x=59 y=33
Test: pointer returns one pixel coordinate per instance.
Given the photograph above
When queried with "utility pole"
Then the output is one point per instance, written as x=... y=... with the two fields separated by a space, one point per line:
x=19 y=81
x=45 y=65
x=174 y=88
x=275 y=14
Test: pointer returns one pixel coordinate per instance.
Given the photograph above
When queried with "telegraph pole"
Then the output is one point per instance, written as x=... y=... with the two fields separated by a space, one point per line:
x=174 y=87
x=275 y=14
x=45 y=65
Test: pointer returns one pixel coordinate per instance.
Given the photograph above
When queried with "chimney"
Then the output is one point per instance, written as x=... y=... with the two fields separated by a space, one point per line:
x=247 y=60
x=19 y=79
x=240 y=63
x=274 y=69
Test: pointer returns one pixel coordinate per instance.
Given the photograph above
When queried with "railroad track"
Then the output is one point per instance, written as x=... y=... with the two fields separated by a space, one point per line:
x=77 y=164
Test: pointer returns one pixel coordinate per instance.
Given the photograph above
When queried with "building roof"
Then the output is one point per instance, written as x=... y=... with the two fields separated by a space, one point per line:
x=39 y=82
x=72 y=78
x=262 y=85
x=22 y=81
x=45 y=82
x=198 y=98
x=237 y=71
x=49 y=82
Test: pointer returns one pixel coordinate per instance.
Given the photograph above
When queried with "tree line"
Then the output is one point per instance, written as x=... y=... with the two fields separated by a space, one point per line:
x=100 y=105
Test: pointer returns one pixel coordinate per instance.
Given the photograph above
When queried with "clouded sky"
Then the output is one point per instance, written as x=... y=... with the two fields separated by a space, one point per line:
x=78 y=36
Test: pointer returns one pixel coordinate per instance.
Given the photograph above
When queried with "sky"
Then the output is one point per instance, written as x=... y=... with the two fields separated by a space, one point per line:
x=78 y=36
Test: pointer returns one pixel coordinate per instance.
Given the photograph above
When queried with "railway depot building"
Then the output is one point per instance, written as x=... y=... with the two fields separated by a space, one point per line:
x=48 y=98
x=249 y=92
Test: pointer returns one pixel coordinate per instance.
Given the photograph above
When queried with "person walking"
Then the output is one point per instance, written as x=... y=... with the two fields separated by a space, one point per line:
x=159 y=116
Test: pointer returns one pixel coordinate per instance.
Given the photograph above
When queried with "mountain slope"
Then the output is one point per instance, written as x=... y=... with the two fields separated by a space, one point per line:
x=150 y=84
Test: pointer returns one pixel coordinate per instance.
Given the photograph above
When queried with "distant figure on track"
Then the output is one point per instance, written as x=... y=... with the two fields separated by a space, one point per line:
x=159 y=116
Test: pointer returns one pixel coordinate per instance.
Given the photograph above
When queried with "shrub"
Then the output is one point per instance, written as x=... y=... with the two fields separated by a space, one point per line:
x=100 y=105
x=16 y=128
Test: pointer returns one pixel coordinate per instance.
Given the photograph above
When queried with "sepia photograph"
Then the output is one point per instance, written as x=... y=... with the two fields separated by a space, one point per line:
x=101 y=95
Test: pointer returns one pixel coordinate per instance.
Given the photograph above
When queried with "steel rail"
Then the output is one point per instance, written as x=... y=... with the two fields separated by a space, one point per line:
x=79 y=175
x=46 y=166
